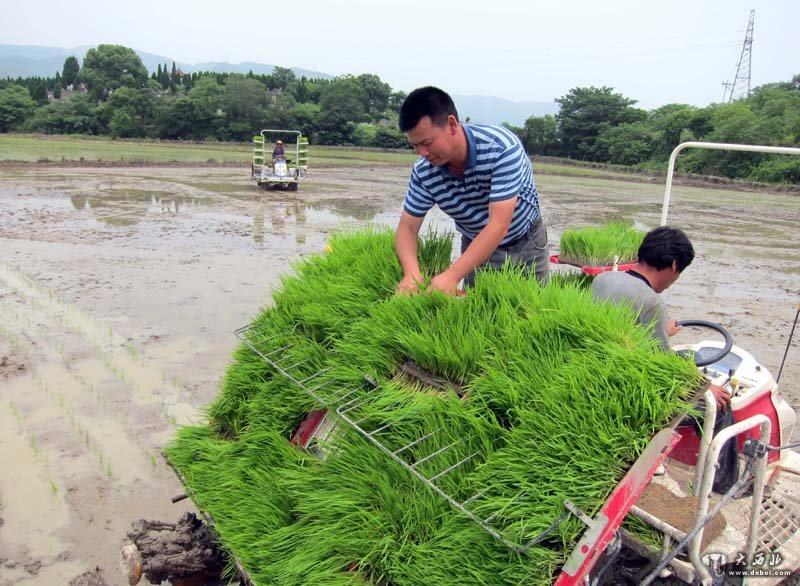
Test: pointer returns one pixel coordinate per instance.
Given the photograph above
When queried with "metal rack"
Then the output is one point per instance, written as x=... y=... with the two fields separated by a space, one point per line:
x=348 y=400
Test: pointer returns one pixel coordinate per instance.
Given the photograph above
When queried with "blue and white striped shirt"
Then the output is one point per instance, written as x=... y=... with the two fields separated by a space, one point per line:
x=497 y=169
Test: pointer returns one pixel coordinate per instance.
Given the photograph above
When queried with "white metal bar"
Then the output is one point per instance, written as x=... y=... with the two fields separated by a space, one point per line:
x=720 y=146
x=454 y=466
x=705 y=440
x=414 y=443
x=434 y=454
x=704 y=496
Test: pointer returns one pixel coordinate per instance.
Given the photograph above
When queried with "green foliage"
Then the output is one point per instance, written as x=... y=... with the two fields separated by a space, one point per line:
x=379 y=135
x=539 y=135
x=70 y=71
x=16 y=106
x=38 y=91
x=343 y=104
x=110 y=67
x=73 y=115
x=594 y=124
x=626 y=144
x=777 y=170
x=243 y=103
x=390 y=137
x=376 y=93
x=599 y=245
x=670 y=122
x=536 y=363
x=583 y=114
x=364 y=134
x=128 y=112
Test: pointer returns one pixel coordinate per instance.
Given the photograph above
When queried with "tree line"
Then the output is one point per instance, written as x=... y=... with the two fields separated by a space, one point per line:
x=600 y=125
x=113 y=94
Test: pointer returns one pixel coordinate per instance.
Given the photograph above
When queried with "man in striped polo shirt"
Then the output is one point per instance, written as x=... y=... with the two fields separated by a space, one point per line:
x=478 y=175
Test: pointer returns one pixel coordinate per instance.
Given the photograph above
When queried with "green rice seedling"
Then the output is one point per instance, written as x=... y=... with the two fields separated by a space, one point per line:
x=32 y=444
x=557 y=396
x=600 y=245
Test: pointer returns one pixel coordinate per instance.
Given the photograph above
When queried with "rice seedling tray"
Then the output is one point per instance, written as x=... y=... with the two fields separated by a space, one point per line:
x=592 y=270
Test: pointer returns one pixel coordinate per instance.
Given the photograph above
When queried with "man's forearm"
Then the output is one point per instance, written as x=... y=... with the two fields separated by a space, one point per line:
x=405 y=245
x=480 y=249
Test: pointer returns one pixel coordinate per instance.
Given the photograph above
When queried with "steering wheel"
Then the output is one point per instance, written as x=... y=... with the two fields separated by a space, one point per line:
x=723 y=352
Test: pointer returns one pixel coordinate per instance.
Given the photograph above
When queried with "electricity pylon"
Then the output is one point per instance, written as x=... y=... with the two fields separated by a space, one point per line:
x=740 y=87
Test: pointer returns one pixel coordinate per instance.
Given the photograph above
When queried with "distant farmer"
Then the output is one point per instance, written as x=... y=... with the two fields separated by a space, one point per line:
x=478 y=175
x=663 y=255
x=278 y=153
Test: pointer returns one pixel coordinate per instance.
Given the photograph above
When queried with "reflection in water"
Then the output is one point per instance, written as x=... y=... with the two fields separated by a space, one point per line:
x=258 y=225
x=362 y=209
x=78 y=201
x=298 y=209
x=278 y=220
x=169 y=205
x=300 y=212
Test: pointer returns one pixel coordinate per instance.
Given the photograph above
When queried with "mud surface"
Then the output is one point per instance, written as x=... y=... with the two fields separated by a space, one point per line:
x=120 y=289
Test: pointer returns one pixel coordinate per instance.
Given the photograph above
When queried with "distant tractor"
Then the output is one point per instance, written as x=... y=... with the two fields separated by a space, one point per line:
x=280 y=159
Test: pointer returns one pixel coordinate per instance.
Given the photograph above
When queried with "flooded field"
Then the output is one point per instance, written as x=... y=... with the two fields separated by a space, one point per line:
x=120 y=289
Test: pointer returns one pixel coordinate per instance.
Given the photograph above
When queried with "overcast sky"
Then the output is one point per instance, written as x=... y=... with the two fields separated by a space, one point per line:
x=654 y=52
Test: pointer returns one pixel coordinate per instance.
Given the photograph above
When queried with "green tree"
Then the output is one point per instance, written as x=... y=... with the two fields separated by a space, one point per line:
x=396 y=100
x=390 y=137
x=122 y=125
x=584 y=112
x=305 y=118
x=128 y=113
x=343 y=106
x=376 y=93
x=110 y=67
x=70 y=71
x=178 y=119
x=38 y=90
x=540 y=135
x=73 y=115
x=244 y=106
x=16 y=106
x=206 y=98
x=281 y=78
x=364 y=133
x=163 y=76
x=626 y=144
x=671 y=122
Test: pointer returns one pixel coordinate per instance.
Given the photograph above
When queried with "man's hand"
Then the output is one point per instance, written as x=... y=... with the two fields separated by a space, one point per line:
x=673 y=327
x=445 y=283
x=408 y=285
x=722 y=397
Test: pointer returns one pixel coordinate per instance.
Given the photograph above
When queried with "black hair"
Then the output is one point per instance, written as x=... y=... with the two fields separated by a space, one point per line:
x=426 y=101
x=665 y=245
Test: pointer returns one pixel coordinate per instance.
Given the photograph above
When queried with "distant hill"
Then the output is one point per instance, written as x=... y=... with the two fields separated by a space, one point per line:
x=35 y=60
x=491 y=110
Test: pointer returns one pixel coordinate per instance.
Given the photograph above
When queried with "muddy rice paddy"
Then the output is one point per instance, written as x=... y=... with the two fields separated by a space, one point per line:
x=120 y=289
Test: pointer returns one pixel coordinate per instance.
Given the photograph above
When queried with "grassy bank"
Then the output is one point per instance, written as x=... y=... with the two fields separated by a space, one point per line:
x=95 y=149
x=44 y=149
x=59 y=148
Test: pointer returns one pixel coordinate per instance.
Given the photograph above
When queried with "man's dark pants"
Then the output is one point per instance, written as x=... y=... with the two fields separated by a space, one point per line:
x=529 y=250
